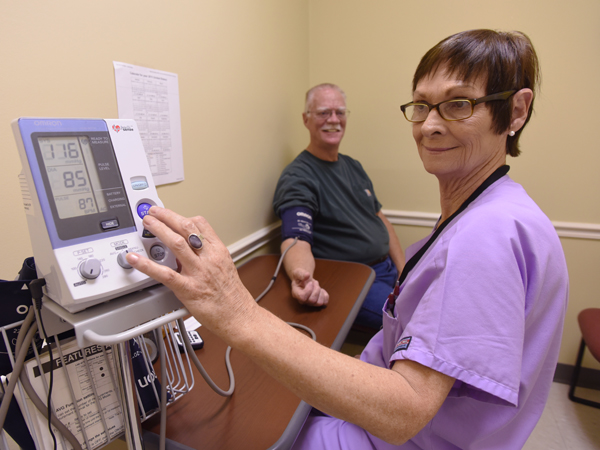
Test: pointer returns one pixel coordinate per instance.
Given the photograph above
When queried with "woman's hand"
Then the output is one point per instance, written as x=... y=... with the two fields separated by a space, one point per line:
x=208 y=284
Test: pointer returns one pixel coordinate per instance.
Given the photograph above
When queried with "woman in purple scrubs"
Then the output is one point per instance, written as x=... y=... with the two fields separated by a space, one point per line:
x=471 y=333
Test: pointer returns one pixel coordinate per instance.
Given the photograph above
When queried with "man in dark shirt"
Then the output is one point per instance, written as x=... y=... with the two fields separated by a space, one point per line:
x=327 y=200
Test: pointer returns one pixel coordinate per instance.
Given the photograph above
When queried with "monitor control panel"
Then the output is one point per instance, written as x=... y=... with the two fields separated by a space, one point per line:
x=86 y=186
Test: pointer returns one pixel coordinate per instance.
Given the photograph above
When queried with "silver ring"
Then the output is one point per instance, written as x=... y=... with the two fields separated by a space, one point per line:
x=195 y=241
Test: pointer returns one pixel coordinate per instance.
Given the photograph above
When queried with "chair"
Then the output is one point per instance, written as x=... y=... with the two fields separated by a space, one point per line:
x=360 y=334
x=589 y=323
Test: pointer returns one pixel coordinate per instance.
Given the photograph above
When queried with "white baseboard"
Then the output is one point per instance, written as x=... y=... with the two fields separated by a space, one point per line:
x=253 y=242
x=563 y=229
x=414 y=218
x=577 y=230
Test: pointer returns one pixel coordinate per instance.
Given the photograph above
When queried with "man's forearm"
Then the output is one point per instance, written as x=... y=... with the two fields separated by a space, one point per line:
x=299 y=256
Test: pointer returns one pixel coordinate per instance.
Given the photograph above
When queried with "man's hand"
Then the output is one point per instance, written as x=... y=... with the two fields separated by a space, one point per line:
x=307 y=290
x=299 y=264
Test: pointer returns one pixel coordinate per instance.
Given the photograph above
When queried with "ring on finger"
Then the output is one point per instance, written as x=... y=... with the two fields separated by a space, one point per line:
x=195 y=241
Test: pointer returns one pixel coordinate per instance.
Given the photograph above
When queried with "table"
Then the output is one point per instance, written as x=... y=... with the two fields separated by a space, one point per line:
x=262 y=413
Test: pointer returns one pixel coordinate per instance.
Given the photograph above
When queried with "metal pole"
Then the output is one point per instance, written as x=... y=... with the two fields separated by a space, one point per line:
x=131 y=416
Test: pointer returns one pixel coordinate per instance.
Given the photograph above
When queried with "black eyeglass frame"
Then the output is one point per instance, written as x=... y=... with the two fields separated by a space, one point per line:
x=473 y=101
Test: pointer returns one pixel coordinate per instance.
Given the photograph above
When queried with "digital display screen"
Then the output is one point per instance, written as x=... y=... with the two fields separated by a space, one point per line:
x=82 y=183
x=72 y=175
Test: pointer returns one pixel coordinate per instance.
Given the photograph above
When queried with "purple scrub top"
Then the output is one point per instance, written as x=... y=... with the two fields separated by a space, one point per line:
x=485 y=305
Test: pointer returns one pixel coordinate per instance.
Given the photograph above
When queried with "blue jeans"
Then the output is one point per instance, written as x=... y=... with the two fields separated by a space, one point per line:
x=386 y=275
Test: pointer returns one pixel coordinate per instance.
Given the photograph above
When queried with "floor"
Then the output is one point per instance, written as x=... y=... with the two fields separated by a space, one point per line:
x=564 y=425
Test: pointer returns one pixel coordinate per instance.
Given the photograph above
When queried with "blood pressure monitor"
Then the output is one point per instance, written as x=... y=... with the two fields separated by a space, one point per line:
x=86 y=186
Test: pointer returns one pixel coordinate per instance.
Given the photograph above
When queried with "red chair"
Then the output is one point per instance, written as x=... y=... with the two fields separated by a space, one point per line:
x=589 y=323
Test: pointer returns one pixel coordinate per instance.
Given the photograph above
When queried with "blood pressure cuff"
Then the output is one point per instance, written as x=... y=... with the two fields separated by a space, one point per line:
x=146 y=381
x=15 y=302
x=297 y=221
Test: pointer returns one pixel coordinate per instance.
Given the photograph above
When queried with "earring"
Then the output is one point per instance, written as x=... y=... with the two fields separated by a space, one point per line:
x=512 y=133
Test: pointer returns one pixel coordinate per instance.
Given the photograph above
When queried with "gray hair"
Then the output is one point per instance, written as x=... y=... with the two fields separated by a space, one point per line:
x=311 y=92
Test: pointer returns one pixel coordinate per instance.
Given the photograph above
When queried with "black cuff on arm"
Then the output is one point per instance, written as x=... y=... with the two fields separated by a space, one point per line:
x=297 y=221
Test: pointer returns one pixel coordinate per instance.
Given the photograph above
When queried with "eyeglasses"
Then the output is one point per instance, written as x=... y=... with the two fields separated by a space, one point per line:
x=324 y=114
x=456 y=109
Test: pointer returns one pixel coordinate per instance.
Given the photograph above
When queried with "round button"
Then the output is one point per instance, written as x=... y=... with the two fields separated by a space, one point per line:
x=157 y=252
x=90 y=268
x=122 y=261
x=142 y=209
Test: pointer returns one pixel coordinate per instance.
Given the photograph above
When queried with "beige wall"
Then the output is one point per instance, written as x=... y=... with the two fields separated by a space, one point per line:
x=372 y=48
x=382 y=41
x=243 y=71
x=243 y=68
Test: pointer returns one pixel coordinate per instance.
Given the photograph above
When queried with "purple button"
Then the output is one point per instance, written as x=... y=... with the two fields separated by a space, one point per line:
x=142 y=209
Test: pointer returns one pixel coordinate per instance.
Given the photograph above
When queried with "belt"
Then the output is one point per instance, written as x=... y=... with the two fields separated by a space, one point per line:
x=379 y=260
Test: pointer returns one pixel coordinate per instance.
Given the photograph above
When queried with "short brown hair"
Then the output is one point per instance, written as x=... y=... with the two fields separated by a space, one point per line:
x=506 y=59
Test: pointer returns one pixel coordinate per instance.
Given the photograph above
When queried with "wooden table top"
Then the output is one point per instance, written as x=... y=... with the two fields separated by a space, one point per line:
x=261 y=410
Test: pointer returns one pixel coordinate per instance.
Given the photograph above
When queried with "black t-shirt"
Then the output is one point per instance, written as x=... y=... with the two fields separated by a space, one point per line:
x=344 y=206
